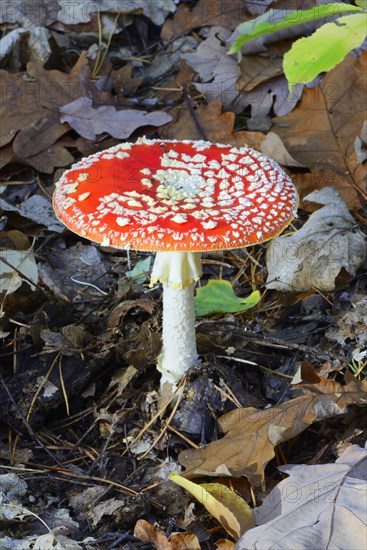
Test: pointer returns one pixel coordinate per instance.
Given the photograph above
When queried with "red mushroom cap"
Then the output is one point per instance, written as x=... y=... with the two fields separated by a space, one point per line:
x=176 y=196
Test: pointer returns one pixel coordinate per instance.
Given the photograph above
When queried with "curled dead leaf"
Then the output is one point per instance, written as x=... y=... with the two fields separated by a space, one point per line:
x=252 y=434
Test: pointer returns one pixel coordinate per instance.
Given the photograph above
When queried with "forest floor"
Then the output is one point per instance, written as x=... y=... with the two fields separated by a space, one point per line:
x=87 y=444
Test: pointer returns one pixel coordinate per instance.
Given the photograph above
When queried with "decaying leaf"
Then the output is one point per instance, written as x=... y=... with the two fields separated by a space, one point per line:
x=314 y=256
x=107 y=507
x=320 y=506
x=225 y=505
x=12 y=488
x=252 y=434
x=37 y=209
x=90 y=121
x=180 y=541
x=349 y=329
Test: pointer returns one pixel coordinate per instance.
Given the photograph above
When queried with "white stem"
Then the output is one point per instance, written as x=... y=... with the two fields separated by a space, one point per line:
x=177 y=271
x=179 y=341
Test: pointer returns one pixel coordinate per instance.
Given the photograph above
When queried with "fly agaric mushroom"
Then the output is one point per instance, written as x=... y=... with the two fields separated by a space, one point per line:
x=177 y=198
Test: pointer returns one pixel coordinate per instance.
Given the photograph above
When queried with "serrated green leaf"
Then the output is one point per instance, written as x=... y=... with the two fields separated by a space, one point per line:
x=219 y=297
x=324 y=49
x=222 y=503
x=140 y=271
x=249 y=32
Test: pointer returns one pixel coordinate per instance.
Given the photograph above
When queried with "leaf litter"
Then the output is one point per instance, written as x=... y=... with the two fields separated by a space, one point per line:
x=80 y=326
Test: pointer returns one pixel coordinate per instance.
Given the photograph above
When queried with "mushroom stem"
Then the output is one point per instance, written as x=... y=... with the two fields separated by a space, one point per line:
x=179 y=341
x=177 y=271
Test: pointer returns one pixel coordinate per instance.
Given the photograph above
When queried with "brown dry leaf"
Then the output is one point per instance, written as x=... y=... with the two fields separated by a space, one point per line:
x=225 y=544
x=29 y=112
x=208 y=122
x=256 y=70
x=185 y=541
x=123 y=308
x=181 y=541
x=320 y=133
x=252 y=434
x=273 y=147
x=208 y=13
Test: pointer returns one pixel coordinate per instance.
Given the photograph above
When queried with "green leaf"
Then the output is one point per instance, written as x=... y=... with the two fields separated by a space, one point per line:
x=362 y=4
x=324 y=49
x=222 y=503
x=249 y=32
x=140 y=271
x=218 y=297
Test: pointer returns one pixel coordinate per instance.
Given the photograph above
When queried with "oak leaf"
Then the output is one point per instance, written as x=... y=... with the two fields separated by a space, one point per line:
x=29 y=112
x=89 y=121
x=252 y=434
x=317 y=506
x=321 y=131
x=209 y=123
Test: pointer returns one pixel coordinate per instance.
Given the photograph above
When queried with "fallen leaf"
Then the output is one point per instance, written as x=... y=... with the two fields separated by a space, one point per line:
x=107 y=507
x=90 y=121
x=319 y=506
x=360 y=144
x=225 y=544
x=71 y=270
x=10 y=42
x=321 y=131
x=349 y=328
x=314 y=256
x=81 y=12
x=208 y=53
x=37 y=209
x=140 y=272
x=255 y=81
x=273 y=147
x=124 y=307
x=219 y=297
x=183 y=541
x=252 y=434
x=29 y=112
x=17 y=262
x=205 y=13
x=209 y=123
x=232 y=512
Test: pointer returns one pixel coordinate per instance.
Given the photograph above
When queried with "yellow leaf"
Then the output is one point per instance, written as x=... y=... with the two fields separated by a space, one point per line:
x=222 y=503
